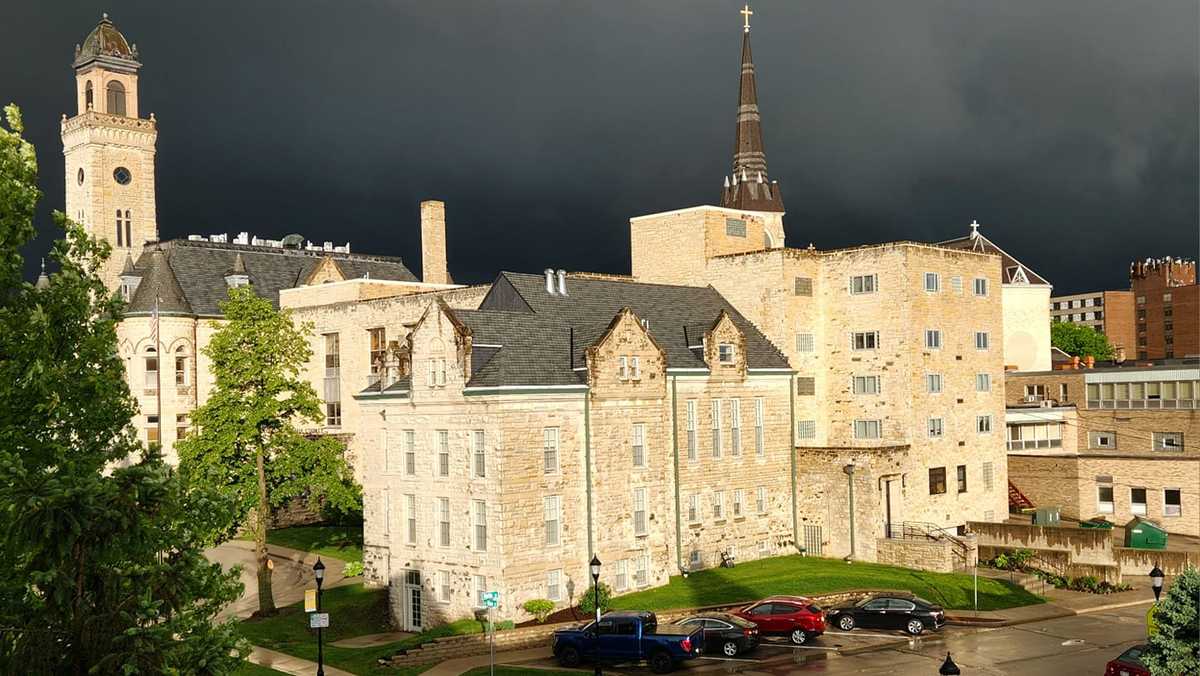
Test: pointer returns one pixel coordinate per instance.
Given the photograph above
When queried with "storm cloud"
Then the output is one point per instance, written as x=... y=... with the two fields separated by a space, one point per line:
x=1068 y=128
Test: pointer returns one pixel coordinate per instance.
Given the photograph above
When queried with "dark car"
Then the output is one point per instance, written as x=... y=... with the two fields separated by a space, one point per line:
x=910 y=613
x=725 y=633
x=628 y=637
x=1128 y=663
x=796 y=617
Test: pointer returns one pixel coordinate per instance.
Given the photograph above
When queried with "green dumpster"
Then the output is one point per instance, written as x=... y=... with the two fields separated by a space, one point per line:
x=1098 y=522
x=1145 y=534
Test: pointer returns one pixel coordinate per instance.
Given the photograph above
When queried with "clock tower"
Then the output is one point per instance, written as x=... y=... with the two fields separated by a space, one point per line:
x=109 y=150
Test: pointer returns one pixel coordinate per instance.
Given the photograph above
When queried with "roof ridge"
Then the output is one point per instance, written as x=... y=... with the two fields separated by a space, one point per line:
x=230 y=246
x=631 y=280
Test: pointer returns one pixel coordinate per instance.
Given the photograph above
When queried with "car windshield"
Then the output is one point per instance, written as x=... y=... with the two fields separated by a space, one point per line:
x=1133 y=655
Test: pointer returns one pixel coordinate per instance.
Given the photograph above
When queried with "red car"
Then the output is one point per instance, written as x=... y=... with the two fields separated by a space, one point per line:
x=796 y=617
x=1128 y=663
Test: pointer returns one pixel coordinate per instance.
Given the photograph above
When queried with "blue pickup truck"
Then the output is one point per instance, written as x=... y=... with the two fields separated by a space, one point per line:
x=629 y=637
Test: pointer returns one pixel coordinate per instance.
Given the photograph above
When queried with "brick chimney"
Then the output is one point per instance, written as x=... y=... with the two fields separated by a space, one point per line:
x=433 y=242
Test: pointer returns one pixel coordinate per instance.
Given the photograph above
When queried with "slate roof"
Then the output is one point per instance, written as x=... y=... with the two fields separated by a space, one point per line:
x=189 y=276
x=544 y=337
x=975 y=241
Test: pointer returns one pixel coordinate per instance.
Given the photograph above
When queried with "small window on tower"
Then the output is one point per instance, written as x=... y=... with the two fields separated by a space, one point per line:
x=116 y=98
x=88 y=96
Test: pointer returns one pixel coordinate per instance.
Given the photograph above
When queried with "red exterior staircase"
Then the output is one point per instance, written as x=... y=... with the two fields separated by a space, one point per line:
x=1017 y=500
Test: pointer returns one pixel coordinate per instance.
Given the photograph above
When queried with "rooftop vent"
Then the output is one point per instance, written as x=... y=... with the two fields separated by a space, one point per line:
x=549 y=281
x=562 y=282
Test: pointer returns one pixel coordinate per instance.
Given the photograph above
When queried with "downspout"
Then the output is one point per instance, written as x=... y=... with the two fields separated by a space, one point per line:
x=792 y=458
x=587 y=464
x=675 y=457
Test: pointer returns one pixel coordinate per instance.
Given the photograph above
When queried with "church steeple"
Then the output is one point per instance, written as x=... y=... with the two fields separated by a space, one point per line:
x=750 y=187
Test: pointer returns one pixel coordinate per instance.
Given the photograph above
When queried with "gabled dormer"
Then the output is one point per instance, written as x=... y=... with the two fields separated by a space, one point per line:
x=236 y=275
x=627 y=361
x=725 y=349
x=130 y=279
x=325 y=272
x=438 y=350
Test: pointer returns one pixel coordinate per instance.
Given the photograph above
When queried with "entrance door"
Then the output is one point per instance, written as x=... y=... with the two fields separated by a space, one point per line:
x=893 y=505
x=412 y=600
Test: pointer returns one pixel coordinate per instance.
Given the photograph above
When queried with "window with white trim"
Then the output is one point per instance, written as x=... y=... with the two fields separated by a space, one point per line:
x=693 y=453
x=739 y=496
x=443 y=586
x=760 y=499
x=622 y=368
x=410 y=531
x=860 y=284
x=718 y=505
x=693 y=508
x=933 y=383
x=641 y=576
x=981 y=340
x=410 y=452
x=635 y=368
x=1172 y=502
x=983 y=382
x=639 y=444
x=1104 y=499
x=725 y=353
x=1102 y=439
x=933 y=339
x=935 y=428
x=716 y=428
x=1137 y=501
x=735 y=427
x=867 y=429
x=933 y=282
x=1168 y=441
x=552 y=518
x=443 y=446
x=480 y=455
x=866 y=384
x=554 y=585
x=760 y=415
x=480 y=584
x=983 y=424
x=479 y=516
x=621 y=579
x=864 y=340
x=806 y=429
x=549 y=450
x=443 y=521
x=639 y=511
x=981 y=286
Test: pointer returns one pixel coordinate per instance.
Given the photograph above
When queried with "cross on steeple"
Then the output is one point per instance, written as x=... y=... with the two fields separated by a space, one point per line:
x=974 y=228
x=746 y=12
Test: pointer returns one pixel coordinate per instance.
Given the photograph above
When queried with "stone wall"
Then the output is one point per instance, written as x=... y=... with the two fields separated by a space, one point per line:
x=933 y=555
x=1059 y=561
x=1084 y=545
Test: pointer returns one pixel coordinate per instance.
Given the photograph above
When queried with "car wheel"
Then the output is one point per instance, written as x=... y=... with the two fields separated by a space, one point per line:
x=799 y=636
x=729 y=649
x=845 y=623
x=568 y=657
x=661 y=663
x=915 y=627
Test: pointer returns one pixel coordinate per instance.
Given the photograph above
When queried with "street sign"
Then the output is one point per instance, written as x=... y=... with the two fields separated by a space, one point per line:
x=1151 y=623
x=491 y=599
x=318 y=621
x=310 y=600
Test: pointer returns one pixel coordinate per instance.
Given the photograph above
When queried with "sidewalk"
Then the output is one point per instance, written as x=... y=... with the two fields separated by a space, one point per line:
x=288 y=664
x=515 y=657
x=1059 y=603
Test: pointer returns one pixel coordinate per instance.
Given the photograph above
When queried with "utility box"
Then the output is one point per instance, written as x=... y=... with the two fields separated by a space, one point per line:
x=1046 y=516
x=1145 y=534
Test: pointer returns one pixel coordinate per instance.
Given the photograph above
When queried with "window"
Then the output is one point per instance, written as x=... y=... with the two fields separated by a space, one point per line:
x=739 y=497
x=639 y=511
x=987 y=476
x=641 y=575
x=444 y=586
x=554 y=585
x=480 y=455
x=550 y=450
x=692 y=450
x=956 y=284
x=866 y=384
x=804 y=342
x=1168 y=441
x=803 y=286
x=128 y=226
x=933 y=339
x=88 y=96
x=379 y=349
x=806 y=429
x=716 y=428
x=479 y=519
x=864 y=284
x=695 y=562
x=635 y=368
x=181 y=425
x=935 y=428
x=693 y=508
x=1137 y=501
x=621 y=580
x=1104 y=499
x=1035 y=435
x=441 y=372
x=983 y=382
x=180 y=367
x=725 y=353
x=760 y=499
x=116 y=98
x=1035 y=392
x=120 y=238
x=806 y=386
x=552 y=518
x=981 y=284
x=152 y=372
x=864 y=340
x=760 y=447
x=1102 y=439
x=1166 y=297
x=983 y=424
x=718 y=505
x=639 y=444
x=443 y=446
x=981 y=340
x=623 y=368
x=937 y=480
x=444 y=521
x=333 y=381
x=735 y=427
x=933 y=281
x=480 y=584
x=933 y=383
x=962 y=478
x=867 y=429
x=410 y=534
x=1172 y=502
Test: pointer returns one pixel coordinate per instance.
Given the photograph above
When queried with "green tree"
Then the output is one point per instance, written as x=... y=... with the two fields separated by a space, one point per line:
x=101 y=547
x=246 y=445
x=1080 y=341
x=1174 y=647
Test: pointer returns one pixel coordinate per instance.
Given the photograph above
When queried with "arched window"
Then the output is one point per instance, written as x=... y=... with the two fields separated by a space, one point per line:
x=120 y=240
x=181 y=366
x=116 y=98
x=151 y=369
x=88 y=96
x=128 y=227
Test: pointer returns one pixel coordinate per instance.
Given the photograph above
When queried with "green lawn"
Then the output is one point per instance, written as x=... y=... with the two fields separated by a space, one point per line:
x=252 y=669
x=809 y=576
x=353 y=611
x=338 y=542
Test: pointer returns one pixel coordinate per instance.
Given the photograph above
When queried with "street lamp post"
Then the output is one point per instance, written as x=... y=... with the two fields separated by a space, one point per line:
x=594 y=566
x=949 y=668
x=319 y=573
x=1156 y=581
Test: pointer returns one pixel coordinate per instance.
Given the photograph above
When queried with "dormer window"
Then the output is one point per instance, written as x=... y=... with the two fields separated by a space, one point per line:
x=725 y=353
x=635 y=368
x=623 y=368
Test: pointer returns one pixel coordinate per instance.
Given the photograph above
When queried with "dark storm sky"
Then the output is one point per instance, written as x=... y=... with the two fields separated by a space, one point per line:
x=1068 y=128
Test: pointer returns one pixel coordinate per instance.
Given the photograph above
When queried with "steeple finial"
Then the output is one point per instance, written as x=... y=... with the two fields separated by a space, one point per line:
x=746 y=12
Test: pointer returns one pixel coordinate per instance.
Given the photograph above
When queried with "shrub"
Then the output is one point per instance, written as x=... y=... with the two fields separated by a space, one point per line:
x=353 y=569
x=539 y=608
x=587 y=601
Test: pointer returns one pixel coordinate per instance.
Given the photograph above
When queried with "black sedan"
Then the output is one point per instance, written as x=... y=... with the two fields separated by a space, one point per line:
x=725 y=633
x=910 y=613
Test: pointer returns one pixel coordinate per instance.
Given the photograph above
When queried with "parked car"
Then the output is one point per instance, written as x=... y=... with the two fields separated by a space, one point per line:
x=1128 y=663
x=910 y=613
x=727 y=634
x=796 y=617
x=628 y=637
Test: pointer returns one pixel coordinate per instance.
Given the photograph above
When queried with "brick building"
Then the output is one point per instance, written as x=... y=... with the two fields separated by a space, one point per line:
x=1109 y=312
x=1167 y=303
x=1111 y=442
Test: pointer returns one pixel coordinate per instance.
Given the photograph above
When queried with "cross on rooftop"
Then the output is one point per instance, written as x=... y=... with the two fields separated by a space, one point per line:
x=974 y=228
x=746 y=12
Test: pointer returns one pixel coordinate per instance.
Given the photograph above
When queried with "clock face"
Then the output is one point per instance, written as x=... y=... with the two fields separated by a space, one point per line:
x=122 y=175
x=79 y=176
